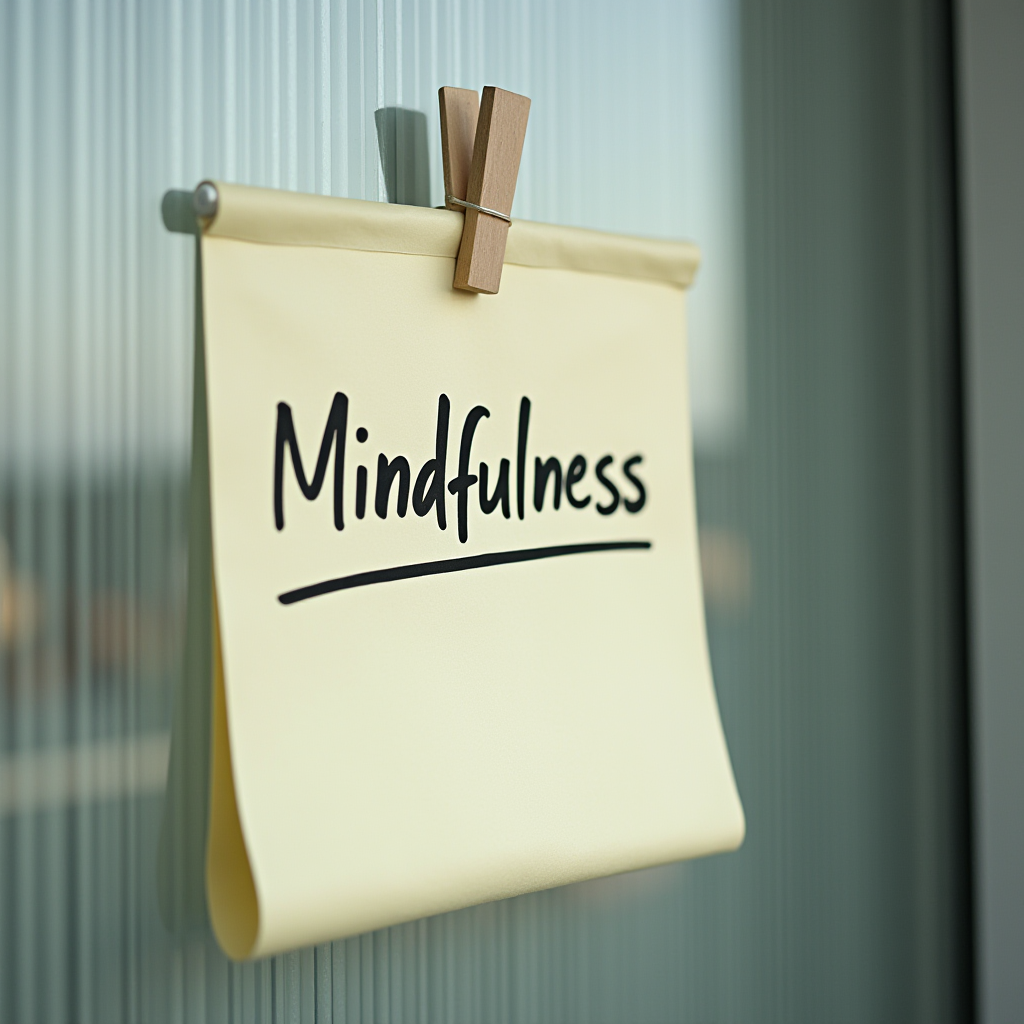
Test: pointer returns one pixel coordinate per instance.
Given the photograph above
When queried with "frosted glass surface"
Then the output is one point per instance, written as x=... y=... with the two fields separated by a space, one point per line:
x=804 y=149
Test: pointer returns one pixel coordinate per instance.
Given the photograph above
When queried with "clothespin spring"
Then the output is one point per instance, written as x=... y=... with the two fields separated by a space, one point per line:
x=479 y=209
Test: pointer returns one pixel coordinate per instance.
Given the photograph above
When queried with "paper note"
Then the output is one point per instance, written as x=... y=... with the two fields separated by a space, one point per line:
x=460 y=634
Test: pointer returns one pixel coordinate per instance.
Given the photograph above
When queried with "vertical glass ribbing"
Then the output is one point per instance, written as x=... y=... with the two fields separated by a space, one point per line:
x=805 y=153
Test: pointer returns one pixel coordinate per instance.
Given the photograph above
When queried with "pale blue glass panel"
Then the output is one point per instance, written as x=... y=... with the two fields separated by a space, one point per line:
x=806 y=149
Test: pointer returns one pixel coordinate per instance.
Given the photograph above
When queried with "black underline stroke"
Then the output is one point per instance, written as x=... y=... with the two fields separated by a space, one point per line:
x=443 y=565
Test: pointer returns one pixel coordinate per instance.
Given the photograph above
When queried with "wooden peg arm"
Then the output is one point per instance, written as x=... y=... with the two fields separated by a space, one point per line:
x=460 y=109
x=498 y=148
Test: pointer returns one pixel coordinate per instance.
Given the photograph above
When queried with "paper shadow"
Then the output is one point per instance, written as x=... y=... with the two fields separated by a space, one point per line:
x=404 y=155
x=178 y=214
x=181 y=850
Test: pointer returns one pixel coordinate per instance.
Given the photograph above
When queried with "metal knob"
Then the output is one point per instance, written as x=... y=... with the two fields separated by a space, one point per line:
x=204 y=201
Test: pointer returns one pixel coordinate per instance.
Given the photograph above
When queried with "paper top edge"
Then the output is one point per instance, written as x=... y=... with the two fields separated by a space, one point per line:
x=275 y=217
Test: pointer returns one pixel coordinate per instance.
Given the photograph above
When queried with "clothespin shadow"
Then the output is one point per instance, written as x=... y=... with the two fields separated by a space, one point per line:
x=404 y=155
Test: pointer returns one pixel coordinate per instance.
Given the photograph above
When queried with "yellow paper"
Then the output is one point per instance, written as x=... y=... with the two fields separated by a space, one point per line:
x=414 y=745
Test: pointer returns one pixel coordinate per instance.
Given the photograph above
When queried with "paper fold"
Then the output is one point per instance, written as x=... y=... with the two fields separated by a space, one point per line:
x=294 y=218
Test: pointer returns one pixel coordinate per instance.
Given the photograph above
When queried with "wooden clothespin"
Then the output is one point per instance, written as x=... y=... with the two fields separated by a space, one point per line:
x=500 y=130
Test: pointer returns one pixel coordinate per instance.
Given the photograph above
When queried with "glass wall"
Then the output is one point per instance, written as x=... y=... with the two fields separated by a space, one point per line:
x=806 y=148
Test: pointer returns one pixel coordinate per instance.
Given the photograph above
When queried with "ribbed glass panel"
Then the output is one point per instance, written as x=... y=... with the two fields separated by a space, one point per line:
x=805 y=148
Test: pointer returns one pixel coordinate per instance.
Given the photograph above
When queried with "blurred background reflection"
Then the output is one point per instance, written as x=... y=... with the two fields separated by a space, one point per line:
x=807 y=149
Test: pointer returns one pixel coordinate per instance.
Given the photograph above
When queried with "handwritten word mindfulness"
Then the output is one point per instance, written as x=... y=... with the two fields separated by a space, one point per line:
x=539 y=484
